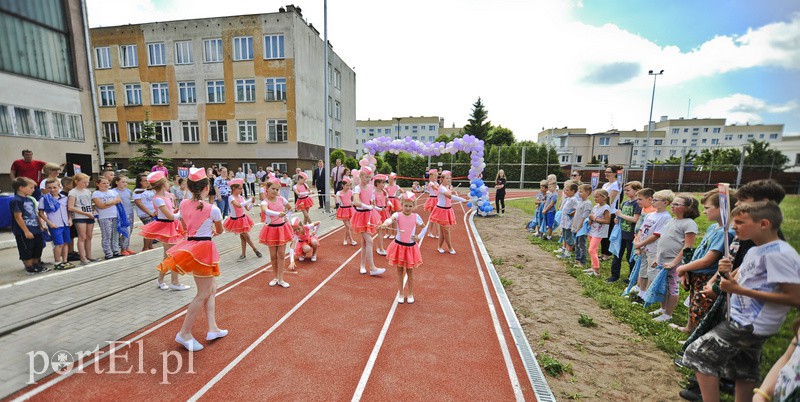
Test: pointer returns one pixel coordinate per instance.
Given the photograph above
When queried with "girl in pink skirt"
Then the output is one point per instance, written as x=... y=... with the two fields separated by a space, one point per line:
x=276 y=232
x=443 y=212
x=165 y=228
x=239 y=221
x=381 y=211
x=304 y=243
x=404 y=251
x=303 y=202
x=432 y=188
x=363 y=221
x=344 y=198
x=393 y=203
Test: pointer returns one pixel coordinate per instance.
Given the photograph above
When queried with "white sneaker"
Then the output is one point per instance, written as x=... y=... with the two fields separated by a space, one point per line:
x=586 y=271
x=657 y=312
x=377 y=271
x=162 y=285
x=362 y=270
x=353 y=243
x=662 y=318
x=273 y=282
x=558 y=250
x=191 y=345
x=313 y=258
x=441 y=251
x=284 y=284
x=386 y=236
x=410 y=299
x=344 y=243
x=301 y=258
x=400 y=299
x=452 y=251
x=216 y=335
x=179 y=287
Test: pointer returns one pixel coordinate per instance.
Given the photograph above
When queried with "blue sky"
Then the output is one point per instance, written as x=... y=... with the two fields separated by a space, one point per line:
x=546 y=63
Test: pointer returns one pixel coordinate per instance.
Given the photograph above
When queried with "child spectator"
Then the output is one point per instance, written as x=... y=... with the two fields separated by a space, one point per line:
x=143 y=200
x=66 y=186
x=598 y=220
x=51 y=171
x=120 y=185
x=648 y=240
x=106 y=202
x=678 y=234
x=626 y=217
x=53 y=211
x=415 y=187
x=538 y=218
x=613 y=188
x=567 y=213
x=26 y=226
x=549 y=209
x=762 y=292
x=80 y=204
x=582 y=211
x=644 y=198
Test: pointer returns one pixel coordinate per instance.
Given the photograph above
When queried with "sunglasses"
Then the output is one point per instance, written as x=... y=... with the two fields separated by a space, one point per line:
x=657 y=200
x=574 y=175
x=678 y=205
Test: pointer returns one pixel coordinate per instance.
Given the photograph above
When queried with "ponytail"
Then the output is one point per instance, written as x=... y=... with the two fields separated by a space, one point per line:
x=197 y=187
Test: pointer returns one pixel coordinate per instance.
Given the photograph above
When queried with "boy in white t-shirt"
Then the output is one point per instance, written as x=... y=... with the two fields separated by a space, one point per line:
x=762 y=290
x=568 y=205
x=648 y=237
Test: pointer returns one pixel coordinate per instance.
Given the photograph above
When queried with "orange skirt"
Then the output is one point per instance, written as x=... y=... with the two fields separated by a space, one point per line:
x=443 y=216
x=276 y=235
x=304 y=203
x=165 y=232
x=394 y=204
x=381 y=215
x=298 y=248
x=239 y=225
x=401 y=255
x=198 y=258
x=364 y=221
x=430 y=203
x=344 y=213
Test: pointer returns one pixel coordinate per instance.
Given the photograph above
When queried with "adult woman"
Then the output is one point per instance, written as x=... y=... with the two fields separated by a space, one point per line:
x=500 y=194
x=613 y=188
x=211 y=173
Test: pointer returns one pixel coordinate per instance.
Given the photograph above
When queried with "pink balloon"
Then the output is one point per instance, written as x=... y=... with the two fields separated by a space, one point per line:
x=372 y=160
x=363 y=162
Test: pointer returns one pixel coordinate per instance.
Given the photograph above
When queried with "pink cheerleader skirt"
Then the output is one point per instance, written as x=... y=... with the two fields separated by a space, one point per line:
x=298 y=248
x=304 y=203
x=364 y=221
x=197 y=256
x=169 y=232
x=443 y=216
x=344 y=213
x=241 y=224
x=381 y=215
x=430 y=204
x=406 y=255
x=394 y=204
x=276 y=234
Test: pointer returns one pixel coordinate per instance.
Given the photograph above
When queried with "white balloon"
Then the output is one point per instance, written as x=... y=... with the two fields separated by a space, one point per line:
x=483 y=213
x=480 y=203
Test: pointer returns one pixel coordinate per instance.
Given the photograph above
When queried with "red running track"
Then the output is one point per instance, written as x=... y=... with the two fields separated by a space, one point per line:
x=334 y=335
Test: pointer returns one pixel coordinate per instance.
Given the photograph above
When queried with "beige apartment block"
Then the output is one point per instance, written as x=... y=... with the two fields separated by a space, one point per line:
x=241 y=91
x=421 y=128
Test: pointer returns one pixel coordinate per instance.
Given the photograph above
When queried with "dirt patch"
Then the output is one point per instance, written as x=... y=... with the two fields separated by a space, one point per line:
x=609 y=361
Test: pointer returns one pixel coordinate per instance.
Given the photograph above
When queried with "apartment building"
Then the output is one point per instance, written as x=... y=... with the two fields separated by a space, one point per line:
x=577 y=147
x=46 y=97
x=423 y=128
x=240 y=91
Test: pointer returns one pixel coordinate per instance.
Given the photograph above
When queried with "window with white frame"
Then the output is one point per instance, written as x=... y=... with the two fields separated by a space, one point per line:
x=102 y=57
x=672 y=152
x=243 y=48
x=133 y=94
x=636 y=152
x=24 y=121
x=330 y=73
x=773 y=136
x=715 y=140
x=337 y=139
x=279 y=166
x=658 y=142
x=728 y=137
x=218 y=131
x=761 y=136
x=212 y=50
x=246 y=90
x=107 y=97
x=191 y=131
x=187 y=92
x=602 y=158
x=673 y=142
x=716 y=130
x=164 y=131
x=278 y=130
x=605 y=141
x=6 y=126
x=657 y=152
x=564 y=158
x=183 y=52
x=42 y=125
x=578 y=158
x=685 y=130
x=111 y=132
x=676 y=130
x=156 y=56
x=160 y=93
x=60 y=125
x=337 y=110
x=337 y=79
x=75 y=127
x=127 y=56
x=276 y=89
x=330 y=107
x=215 y=91
x=273 y=47
x=705 y=129
x=750 y=136
x=135 y=130
x=247 y=131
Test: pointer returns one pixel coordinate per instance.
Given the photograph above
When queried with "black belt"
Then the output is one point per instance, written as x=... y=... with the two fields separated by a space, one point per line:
x=381 y=206
x=277 y=225
x=235 y=218
x=362 y=210
x=302 y=198
x=342 y=206
x=164 y=220
x=192 y=238
x=392 y=197
x=404 y=243
x=444 y=207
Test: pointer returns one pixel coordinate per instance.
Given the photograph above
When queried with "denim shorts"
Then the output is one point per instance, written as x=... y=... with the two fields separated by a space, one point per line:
x=569 y=237
x=551 y=217
x=729 y=350
x=60 y=235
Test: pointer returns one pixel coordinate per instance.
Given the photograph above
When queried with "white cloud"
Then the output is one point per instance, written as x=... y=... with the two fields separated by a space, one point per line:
x=741 y=109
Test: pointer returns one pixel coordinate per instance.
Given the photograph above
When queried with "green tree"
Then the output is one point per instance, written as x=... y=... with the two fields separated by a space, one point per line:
x=444 y=138
x=760 y=157
x=718 y=159
x=391 y=160
x=410 y=166
x=350 y=162
x=478 y=126
x=337 y=154
x=500 y=136
x=150 y=152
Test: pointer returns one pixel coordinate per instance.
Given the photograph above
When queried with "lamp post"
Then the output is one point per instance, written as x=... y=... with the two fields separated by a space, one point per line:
x=649 y=122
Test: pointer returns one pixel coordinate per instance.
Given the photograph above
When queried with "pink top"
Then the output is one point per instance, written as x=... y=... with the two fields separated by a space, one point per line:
x=365 y=194
x=345 y=197
x=193 y=217
x=238 y=212
x=163 y=201
x=408 y=225
x=392 y=190
x=306 y=236
x=279 y=205
x=433 y=188
x=442 y=199
x=380 y=198
x=298 y=190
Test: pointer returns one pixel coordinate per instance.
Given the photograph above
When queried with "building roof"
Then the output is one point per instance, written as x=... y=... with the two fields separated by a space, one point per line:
x=403 y=120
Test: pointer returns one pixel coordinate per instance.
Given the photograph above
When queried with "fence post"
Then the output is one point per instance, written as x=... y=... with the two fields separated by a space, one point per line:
x=741 y=168
x=771 y=164
x=680 y=173
x=522 y=170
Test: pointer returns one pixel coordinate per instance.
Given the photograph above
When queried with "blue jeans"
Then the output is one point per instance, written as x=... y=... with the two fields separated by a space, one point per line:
x=222 y=204
x=580 y=249
x=109 y=235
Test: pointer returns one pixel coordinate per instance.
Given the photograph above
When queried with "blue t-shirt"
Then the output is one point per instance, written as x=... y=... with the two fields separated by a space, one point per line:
x=27 y=207
x=552 y=200
x=713 y=240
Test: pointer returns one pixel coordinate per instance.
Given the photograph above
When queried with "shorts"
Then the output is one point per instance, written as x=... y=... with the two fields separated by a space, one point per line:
x=60 y=235
x=29 y=248
x=569 y=237
x=550 y=218
x=87 y=221
x=673 y=282
x=644 y=267
x=652 y=272
x=729 y=350
x=145 y=219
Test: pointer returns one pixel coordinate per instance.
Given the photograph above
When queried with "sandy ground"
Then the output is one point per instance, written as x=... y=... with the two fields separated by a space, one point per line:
x=609 y=362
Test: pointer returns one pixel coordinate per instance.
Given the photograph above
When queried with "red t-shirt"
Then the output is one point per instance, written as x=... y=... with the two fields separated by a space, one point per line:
x=28 y=169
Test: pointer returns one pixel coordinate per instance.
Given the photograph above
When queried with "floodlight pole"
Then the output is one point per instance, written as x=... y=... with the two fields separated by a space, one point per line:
x=327 y=104
x=649 y=122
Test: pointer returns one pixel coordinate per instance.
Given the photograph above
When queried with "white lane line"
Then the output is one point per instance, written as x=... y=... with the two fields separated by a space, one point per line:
x=512 y=373
x=80 y=368
x=264 y=336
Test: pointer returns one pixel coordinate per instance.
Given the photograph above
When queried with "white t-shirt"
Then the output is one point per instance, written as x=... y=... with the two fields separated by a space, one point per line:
x=205 y=229
x=83 y=201
x=567 y=207
x=58 y=217
x=613 y=187
x=597 y=229
x=147 y=201
x=652 y=224
x=763 y=269
x=106 y=196
x=158 y=202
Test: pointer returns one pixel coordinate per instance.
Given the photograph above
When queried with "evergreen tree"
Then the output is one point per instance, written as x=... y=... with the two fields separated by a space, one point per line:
x=760 y=157
x=478 y=126
x=500 y=136
x=150 y=152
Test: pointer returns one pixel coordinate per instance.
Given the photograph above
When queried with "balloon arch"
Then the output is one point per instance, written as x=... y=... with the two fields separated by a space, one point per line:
x=479 y=192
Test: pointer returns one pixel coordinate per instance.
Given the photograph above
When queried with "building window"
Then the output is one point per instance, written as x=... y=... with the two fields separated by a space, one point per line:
x=658 y=142
x=276 y=89
x=273 y=47
x=431 y=138
x=111 y=133
x=134 y=131
x=107 y=97
x=761 y=136
x=672 y=152
x=636 y=152
x=750 y=136
x=337 y=110
x=657 y=152
x=578 y=158
x=127 y=56
x=103 y=57
x=279 y=166
x=23 y=120
x=75 y=127
x=246 y=90
x=605 y=141
x=216 y=91
x=164 y=131
x=676 y=130
x=133 y=94
x=160 y=92
x=716 y=130
x=187 y=92
x=218 y=131
x=432 y=128
x=704 y=141
x=6 y=127
x=715 y=140
x=42 y=126
x=337 y=139
x=739 y=136
x=191 y=131
x=705 y=129
x=278 y=130
x=183 y=52
x=243 y=48
x=156 y=56
x=330 y=107
x=212 y=50
x=337 y=79
x=60 y=125
x=602 y=158
x=414 y=137
x=673 y=142
x=685 y=130
x=728 y=137
x=564 y=158
x=247 y=131
x=773 y=136
x=797 y=159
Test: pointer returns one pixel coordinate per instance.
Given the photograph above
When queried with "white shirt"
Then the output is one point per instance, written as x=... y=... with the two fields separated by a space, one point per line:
x=206 y=228
x=106 y=197
x=147 y=201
